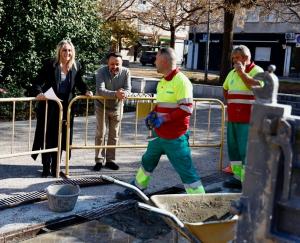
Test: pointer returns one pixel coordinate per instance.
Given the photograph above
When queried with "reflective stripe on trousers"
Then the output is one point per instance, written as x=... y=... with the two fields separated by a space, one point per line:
x=194 y=188
x=238 y=170
x=142 y=178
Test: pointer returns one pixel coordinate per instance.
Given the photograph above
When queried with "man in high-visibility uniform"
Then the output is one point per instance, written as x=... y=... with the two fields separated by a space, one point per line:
x=239 y=96
x=170 y=120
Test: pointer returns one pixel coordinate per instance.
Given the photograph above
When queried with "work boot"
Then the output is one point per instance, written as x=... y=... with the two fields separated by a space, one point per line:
x=46 y=169
x=232 y=183
x=227 y=170
x=111 y=165
x=97 y=167
x=126 y=195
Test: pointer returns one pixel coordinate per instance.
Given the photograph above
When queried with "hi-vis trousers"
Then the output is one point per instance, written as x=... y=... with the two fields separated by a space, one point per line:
x=179 y=154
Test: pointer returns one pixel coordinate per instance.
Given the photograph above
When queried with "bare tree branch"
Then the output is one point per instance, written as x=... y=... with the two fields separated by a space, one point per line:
x=171 y=15
x=287 y=10
x=115 y=9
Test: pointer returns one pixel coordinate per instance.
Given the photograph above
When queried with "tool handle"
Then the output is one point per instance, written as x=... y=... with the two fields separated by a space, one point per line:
x=171 y=216
x=137 y=191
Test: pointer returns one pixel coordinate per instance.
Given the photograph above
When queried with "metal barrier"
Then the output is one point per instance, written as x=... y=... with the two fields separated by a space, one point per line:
x=29 y=146
x=143 y=106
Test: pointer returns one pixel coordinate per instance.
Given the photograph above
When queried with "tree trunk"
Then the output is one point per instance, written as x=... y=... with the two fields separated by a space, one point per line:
x=172 y=41
x=119 y=44
x=227 y=45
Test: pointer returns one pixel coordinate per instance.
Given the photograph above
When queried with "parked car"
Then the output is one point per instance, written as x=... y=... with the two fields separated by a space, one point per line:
x=148 y=57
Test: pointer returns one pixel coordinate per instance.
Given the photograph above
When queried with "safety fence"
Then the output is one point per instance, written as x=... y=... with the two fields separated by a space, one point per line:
x=206 y=126
x=10 y=138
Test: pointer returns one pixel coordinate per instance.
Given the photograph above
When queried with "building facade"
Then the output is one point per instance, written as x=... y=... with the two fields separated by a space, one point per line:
x=270 y=40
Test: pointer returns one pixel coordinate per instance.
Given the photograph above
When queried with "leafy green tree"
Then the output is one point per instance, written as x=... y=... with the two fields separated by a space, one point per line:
x=1 y=64
x=124 y=34
x=1 y=9
x=31 y=29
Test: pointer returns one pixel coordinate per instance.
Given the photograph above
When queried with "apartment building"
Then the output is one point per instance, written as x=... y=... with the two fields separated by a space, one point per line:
x=270 y=39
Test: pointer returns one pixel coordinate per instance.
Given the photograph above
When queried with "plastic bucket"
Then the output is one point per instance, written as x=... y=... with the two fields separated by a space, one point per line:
x=62 y=198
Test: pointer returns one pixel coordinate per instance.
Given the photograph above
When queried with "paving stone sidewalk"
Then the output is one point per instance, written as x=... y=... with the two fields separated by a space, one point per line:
x=19 y=175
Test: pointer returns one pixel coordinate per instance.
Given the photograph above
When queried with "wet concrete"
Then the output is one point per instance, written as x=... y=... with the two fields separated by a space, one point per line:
x=132 y=225
x=196 y=208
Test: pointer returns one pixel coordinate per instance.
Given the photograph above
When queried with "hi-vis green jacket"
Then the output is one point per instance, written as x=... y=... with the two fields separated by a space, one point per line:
x=240 y=98
x=175 y=102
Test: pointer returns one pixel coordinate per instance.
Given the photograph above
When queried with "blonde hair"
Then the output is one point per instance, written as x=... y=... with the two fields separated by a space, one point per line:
x=243 y=50
x=58 y=49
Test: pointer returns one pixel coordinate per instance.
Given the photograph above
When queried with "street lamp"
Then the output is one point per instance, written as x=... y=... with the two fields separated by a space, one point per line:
x=193 y=48
x=207 y=43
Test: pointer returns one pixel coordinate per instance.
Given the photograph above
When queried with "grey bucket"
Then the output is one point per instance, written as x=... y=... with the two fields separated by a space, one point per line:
x=62 y=198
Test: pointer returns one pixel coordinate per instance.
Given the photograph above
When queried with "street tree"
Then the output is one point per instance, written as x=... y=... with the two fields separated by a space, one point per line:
x=118 y=20
x=172 y=15
x=1 y=9
x=112 y=10
x=230 y=8
x=30 y=31
x=123 y=34
x=285 y=10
